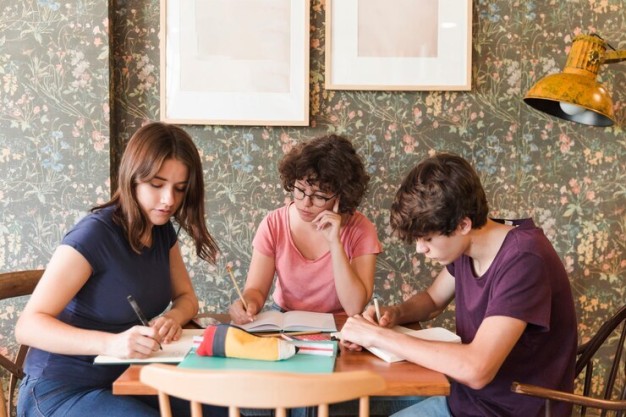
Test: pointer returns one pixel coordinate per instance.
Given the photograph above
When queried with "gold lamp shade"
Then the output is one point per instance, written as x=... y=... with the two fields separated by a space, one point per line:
x=574 y=94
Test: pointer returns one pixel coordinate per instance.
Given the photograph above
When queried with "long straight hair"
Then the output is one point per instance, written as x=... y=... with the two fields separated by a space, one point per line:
x=147 y=150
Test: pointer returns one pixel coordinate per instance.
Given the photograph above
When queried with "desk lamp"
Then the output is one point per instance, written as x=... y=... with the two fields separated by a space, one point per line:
x=575 y=94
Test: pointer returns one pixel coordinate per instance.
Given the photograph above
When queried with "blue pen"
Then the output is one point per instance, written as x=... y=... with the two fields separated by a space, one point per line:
x=142 y=318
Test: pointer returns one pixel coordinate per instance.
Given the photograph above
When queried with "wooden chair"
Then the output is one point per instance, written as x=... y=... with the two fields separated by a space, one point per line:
x=260 y=389
x=15 y=284
x=614 y=397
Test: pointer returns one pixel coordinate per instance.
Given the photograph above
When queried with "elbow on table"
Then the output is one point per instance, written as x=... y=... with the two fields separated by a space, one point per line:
x=353 y=311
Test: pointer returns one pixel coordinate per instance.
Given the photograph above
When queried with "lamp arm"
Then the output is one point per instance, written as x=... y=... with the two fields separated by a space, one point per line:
x=611 y=57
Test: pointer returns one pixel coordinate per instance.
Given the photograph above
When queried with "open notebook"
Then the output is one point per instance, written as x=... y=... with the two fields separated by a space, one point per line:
x=435 y=333
x=291 y=321
x=173 y=352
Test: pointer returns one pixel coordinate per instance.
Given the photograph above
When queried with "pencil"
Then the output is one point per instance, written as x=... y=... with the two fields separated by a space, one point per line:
x=280 y=334
x=232 y=277
x=377 y=308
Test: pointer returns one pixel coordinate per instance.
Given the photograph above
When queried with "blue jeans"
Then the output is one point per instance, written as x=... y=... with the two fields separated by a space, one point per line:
x=428 y=406
x=379 y=406
x=40 y=397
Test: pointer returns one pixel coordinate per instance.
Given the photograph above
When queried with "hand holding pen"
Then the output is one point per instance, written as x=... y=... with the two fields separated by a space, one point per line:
x=378 y=315
x=142 y=318
x=244 y=311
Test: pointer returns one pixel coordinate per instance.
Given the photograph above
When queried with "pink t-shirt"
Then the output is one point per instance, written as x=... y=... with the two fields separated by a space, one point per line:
x=305 y=284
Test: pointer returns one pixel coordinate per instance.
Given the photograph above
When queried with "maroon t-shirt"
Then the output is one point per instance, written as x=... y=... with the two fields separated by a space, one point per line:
x=526 y=281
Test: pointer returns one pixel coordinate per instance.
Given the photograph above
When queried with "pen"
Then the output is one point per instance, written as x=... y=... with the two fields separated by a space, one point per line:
x=232 y=277
x=142 y=318
x=377 y=308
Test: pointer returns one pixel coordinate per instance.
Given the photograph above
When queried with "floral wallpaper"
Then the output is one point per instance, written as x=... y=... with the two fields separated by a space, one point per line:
x=58 y=131
x=54 y=130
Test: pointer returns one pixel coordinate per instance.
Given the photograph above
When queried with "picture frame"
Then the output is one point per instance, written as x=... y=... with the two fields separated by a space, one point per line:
x=235 y=63
x=416 y=45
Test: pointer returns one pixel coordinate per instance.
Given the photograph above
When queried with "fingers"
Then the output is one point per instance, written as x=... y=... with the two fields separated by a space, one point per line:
x=336 y=205
x=168 y=330
x=240 y=315
x=327 y=220
x=252 y=310
x=351 y=346
x=142 y=341
x=385 y=319
x=369 y=314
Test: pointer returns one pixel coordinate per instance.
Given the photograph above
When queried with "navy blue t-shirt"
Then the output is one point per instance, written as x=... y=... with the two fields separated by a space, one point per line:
x=101 y=303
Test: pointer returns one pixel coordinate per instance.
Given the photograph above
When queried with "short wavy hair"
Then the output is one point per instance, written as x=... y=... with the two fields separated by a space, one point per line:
x=332 y=164
x=435 y=196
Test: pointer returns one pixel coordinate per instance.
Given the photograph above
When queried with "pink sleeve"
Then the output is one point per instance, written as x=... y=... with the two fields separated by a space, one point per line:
x=262 y=240
x=361 y=237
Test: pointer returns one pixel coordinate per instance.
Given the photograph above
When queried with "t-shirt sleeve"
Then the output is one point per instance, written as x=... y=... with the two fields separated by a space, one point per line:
x=364 y=239
x=264 y=241
x=522 y=291
x=93 y=240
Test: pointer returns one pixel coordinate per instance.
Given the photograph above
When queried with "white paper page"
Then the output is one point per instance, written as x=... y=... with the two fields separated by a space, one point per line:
x=172 y=352
x=435 y=333
x=273 y=320
x=308 y=320
x=264 y=321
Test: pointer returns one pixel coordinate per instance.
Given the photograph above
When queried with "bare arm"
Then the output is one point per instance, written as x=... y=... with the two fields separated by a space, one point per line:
x=474 y=364
x=354 y=280
x=256 y=290
x=184 y=300
x=38 y=326
x=422 y=306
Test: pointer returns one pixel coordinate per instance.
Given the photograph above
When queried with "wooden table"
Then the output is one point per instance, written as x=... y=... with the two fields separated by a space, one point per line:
x=402 y=378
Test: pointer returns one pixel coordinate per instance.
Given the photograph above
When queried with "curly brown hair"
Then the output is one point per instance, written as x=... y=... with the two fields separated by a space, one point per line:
x=435 y=196
x=330 y=163
x=148 y=148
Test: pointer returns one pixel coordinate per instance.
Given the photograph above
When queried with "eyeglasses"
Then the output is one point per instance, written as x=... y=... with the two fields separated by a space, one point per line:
x=317 y=200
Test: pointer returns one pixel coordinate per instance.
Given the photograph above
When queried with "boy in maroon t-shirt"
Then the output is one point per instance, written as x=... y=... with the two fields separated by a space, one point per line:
x=513 y=302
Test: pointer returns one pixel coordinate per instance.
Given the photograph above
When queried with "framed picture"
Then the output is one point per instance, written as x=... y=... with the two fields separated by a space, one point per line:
x=243 y=62
x=398 y=45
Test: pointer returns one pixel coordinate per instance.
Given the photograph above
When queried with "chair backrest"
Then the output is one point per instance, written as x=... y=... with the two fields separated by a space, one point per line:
x=15 y=284
x=260 y=390
x=612 y=331
x=606 y=349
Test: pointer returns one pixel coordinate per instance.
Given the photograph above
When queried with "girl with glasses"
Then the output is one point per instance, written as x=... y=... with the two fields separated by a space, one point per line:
x=321 y=249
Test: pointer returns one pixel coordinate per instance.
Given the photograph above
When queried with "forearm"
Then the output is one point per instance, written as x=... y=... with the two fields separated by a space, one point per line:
x=256 y=296
x=184 y=308
x=458 y=361
x=420 y=307
x=352 y=290
x=50 y=334
x=474 y=364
